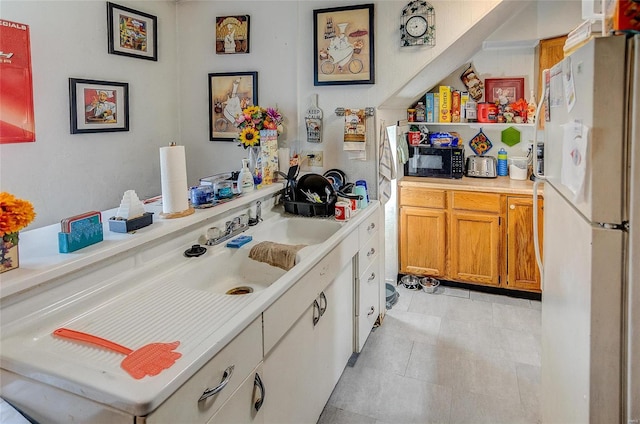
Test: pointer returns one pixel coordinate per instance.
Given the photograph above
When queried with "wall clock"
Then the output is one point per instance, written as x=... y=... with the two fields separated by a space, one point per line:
x=418 y=24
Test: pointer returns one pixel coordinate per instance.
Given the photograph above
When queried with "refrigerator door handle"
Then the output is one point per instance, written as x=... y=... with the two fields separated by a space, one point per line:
x=536 y=239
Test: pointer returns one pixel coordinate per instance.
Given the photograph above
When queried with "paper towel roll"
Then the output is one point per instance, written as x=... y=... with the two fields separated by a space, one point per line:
x=173 y=177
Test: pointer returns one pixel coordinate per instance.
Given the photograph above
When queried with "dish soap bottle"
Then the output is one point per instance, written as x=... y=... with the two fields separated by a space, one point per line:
x=502 y=163
x=531 y=109
x=245 y=178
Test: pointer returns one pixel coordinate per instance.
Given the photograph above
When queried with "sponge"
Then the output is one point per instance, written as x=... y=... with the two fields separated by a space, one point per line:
x=239 y=241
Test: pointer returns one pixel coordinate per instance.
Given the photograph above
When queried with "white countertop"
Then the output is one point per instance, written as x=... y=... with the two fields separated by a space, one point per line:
x=134 y=307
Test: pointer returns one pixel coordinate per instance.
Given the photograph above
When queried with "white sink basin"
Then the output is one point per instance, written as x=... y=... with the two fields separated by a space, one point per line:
x=225 y=270
x=228 y=271
x=297 y=230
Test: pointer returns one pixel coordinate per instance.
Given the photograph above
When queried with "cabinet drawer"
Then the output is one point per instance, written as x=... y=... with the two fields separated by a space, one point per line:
x=369 y=251
x=244 y=353
x=487 y=202
x=415 y=196
x=371 y=225
x=368 y=301
x=280 y=316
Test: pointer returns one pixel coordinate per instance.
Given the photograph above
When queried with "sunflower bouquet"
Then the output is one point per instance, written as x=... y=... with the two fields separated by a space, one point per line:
x=256 y=118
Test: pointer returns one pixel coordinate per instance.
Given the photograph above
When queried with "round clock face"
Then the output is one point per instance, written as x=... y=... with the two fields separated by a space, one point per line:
x=416 y=26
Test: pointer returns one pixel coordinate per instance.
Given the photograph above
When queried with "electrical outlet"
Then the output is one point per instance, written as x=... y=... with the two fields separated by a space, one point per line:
x=313 y=158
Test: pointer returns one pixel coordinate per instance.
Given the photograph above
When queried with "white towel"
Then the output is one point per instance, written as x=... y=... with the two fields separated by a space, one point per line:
x=387 y=167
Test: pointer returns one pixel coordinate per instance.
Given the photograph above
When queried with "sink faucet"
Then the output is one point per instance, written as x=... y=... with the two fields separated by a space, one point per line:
x=258 y=217
x=231 y=229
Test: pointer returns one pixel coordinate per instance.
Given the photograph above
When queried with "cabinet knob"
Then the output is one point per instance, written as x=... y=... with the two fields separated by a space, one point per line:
x=512 y=206
x=371 y=226
x=372 y=276
x=371 y=252
x=371 y=311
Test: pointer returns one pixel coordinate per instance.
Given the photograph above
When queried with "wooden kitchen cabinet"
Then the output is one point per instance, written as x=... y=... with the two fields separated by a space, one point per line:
x=475 y=237
x=469 y=236
x=522 y=270
x=423 y=232
x=475 y=247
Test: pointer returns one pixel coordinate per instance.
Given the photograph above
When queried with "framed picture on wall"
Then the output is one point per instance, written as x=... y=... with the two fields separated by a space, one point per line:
x=232 y=34
x=132 y=33
x=98 y=106
x=509 y=89
x=229 y=94
x=343 y=49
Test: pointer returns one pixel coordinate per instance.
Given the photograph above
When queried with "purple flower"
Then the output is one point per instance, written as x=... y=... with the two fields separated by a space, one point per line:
x=274 y=114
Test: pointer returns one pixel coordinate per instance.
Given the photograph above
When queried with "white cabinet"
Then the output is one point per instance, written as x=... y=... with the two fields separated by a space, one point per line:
x=222 y=374
x=245 y=404
x=303 y=367
x=368 y=278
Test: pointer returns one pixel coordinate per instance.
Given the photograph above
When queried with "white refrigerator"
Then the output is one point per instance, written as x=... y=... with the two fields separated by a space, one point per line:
x=590 y=333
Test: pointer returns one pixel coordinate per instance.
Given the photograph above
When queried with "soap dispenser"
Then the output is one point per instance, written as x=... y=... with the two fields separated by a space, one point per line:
x=245 y=178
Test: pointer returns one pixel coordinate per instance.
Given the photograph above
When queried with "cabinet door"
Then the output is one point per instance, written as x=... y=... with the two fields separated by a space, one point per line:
x=302 y=369
x=289 y=373
x=241 y=408
x=334 y=344
x=423 y=246
x=475 y=247
x=522 y=270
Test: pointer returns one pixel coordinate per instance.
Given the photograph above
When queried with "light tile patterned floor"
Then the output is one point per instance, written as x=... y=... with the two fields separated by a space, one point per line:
x=456 y=356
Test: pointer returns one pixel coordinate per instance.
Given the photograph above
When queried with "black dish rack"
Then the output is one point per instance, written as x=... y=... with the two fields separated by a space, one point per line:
x=310 y=209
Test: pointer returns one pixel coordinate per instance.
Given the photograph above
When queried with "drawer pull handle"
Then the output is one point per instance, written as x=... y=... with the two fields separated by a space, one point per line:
x=371 y=252
x=257 y=382
x=323 y=303
x=371 y=311
x=226 y=377
x=371 y=226
x=316 y=317
x=372 y=276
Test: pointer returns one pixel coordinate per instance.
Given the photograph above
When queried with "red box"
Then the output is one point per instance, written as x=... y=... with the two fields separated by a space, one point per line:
x=17 y=122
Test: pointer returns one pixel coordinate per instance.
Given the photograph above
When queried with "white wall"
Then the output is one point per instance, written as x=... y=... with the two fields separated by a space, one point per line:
x=64 y=174
x=273 y=53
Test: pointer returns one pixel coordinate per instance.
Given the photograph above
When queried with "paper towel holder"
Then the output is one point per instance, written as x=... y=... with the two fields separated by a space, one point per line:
x=179 y=214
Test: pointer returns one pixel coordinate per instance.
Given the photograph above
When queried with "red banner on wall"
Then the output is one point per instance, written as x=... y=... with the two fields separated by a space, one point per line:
x=17 y=123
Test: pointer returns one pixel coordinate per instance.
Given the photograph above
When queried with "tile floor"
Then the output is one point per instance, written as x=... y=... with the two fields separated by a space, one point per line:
x=456 y=356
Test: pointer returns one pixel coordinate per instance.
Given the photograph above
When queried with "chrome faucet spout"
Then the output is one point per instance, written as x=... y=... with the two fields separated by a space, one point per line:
x=258 y=218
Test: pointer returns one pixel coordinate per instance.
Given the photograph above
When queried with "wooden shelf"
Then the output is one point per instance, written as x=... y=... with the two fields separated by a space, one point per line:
x=475 y=125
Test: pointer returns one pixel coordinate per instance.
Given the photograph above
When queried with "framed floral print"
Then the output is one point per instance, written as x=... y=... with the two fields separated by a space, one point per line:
x=132 y=33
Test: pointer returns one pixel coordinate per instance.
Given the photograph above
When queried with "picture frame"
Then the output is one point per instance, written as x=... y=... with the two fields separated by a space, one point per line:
x=343 y=45
x=232 y=34
x=229 y=94
x=98 y=106
x=132 y=33
x=511 y=88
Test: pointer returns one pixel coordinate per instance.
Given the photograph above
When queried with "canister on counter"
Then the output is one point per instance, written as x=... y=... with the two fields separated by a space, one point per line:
x=411 y=115
x=201 y=195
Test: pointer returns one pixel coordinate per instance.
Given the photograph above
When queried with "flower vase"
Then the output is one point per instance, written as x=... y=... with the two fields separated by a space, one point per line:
x=9 y=252
x=255 y=164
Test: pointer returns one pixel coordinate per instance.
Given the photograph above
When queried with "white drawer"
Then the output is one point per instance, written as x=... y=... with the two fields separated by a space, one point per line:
x=244 y=353
x=368 y=302
x=280 y=316
x=369 y=226
x=369 y=251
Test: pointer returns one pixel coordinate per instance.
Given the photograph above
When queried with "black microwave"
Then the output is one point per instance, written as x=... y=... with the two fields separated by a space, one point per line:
x=435 y=161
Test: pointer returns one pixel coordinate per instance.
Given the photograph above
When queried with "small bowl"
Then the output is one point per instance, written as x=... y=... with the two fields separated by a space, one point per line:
x=429 y=285
x=411 y=282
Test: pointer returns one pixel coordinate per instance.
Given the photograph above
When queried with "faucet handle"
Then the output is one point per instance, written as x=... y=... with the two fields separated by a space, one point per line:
x=212 y=235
